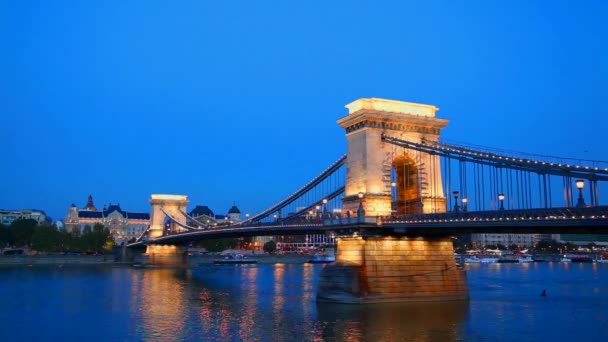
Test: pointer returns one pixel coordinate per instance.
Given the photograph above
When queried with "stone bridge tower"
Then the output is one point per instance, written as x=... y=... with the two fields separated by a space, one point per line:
x=380 y=265
x=174 y=205
x=372 y=162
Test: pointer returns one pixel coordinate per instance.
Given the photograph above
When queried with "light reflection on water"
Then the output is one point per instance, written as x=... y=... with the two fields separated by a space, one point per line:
x=277 y=303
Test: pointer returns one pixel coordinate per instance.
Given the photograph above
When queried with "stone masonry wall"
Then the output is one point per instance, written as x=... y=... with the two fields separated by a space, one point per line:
x=393 y=270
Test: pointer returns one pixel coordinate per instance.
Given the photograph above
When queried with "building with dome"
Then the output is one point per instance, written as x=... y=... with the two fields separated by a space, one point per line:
x=123 y=225
x=202 y=215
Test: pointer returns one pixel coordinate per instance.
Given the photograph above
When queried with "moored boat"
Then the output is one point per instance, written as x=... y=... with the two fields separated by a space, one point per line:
x=234 y=259
x=581 y=258
x=482 y=260
x=524 y=259
x=321 y=259
x=602 y=258
x=488 y=260
x=472 y=259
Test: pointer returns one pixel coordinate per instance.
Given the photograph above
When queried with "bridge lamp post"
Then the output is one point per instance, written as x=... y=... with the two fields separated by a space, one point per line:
x=464 y=203
x=456 y=206
x=275 y=217
x=580 y=184
x=360 y=210
x=247 y=216
x=325 y=208
x=501 y=198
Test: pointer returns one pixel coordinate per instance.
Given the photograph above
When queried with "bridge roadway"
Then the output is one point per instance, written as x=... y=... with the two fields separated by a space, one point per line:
x=591 y=220
x=234 y=231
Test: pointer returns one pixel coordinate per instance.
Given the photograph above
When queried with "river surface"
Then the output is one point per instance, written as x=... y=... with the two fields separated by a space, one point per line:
x=277 y=303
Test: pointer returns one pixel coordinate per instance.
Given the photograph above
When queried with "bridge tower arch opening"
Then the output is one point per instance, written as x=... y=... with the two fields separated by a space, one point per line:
x=371 y=160
x=406 y=199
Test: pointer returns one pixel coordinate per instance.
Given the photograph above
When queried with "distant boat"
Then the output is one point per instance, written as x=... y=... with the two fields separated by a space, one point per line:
x=524 y=259
x=581 y=258
x=565 y=259
x=603 y=258
x=234 y=259
x=475 y=259
x=322 y=259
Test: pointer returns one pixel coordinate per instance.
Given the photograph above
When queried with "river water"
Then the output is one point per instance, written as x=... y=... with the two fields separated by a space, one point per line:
x=277 y=303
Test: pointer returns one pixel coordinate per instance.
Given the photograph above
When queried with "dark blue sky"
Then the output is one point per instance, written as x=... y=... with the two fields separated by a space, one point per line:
x=237 y=100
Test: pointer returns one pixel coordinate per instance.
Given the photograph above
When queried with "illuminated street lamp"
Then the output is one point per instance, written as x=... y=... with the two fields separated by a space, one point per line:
x=275 y=216
x=501 y=198
x=464 y=203
x=580 y=184
x=325 y=214
x=360 y=210
x=247 y=216
x=456 y=206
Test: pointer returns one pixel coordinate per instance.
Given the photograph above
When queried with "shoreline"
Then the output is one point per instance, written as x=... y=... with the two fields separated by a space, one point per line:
x=93 y=260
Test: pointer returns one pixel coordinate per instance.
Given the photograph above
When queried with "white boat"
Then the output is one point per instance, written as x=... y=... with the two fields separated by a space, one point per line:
x=525 y=258
x=234 y=259
x=602 y=258
x=322 y=259
x=565 y=259
x=488 y=260
x=472 y=259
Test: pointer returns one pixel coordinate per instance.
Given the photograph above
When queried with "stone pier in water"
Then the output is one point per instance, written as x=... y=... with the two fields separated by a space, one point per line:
x=392 y=269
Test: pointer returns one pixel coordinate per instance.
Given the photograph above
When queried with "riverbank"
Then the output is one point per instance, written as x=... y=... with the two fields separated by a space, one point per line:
x=40 y=260
x=260 y=258
x=27 y=260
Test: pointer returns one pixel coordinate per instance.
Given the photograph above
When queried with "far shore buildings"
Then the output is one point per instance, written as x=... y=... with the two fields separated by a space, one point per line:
x=124 y=225
x=530 y=240
x=202 y=215
x=8 y=216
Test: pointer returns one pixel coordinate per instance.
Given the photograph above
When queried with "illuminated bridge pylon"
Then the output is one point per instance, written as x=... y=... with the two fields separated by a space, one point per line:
x=163 y=206
x=375 y=167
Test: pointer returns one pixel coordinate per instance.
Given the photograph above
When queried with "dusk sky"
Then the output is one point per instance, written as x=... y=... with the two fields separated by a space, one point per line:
x=237 y=101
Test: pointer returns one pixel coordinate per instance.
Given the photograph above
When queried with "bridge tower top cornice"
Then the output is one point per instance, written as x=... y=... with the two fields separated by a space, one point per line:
x=169 y=199
x=391 y=114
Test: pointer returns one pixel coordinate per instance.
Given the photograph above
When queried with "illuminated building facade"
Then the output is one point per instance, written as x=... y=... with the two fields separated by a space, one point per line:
x=123 y=225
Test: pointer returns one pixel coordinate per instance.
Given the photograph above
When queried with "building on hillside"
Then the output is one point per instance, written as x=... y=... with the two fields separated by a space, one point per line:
x=123 y=225
x=8 y=216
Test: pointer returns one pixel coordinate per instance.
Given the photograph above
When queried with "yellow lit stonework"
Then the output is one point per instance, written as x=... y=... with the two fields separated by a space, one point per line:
x=370 y=159
x=392 y=106
x=169 y=197
x=164 y=255
x=392 y=269
x=173 y=205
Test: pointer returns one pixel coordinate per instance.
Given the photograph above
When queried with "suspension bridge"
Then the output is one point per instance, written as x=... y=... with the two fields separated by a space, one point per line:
x=395 y=198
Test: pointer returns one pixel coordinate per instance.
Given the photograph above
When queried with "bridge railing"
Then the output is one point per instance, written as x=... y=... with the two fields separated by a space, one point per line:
x=599 y=212
x=334 y=221
x=515 y=215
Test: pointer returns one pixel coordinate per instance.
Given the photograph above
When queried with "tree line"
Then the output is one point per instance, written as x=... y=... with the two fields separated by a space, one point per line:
x=47 y=238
